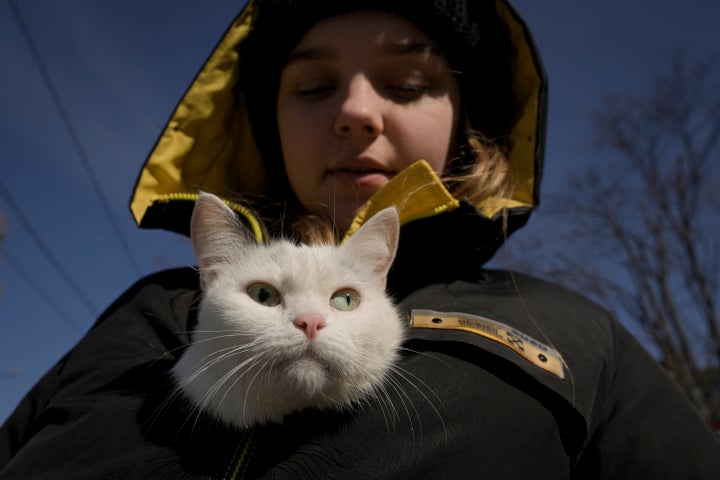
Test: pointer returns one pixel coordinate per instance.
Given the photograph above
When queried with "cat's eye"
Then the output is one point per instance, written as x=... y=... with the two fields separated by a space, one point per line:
x=345 y=300
x=264 y=294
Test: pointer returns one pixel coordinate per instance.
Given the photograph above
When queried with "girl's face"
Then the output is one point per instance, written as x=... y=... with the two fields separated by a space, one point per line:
x=363 y=95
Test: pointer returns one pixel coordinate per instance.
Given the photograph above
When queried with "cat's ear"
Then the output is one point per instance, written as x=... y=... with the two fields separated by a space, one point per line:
x=376 y=241
x=215 y=232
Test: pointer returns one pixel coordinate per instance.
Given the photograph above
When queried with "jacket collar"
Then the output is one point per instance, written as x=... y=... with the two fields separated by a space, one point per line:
x=418 y=181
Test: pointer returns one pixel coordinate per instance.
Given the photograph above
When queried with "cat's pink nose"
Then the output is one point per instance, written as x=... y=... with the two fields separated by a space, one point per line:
x=310 y=323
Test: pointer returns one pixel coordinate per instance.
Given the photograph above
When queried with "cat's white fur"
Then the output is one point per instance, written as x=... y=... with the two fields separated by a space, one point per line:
x=250 y=363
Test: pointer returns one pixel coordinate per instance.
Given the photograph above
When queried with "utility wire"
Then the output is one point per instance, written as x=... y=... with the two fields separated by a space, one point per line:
x=89 y=306
x=20 y=270
x=74 y=137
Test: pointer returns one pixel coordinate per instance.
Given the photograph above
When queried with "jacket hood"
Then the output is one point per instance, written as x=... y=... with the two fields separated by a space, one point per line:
x=208 y=143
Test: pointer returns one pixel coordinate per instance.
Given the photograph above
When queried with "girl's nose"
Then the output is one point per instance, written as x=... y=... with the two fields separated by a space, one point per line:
x=360 y=112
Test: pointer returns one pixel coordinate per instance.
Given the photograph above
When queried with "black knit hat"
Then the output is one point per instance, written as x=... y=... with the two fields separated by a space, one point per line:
x=468 y=32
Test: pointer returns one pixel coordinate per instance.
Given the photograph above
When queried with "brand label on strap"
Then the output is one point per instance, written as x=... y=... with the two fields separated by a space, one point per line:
x=531 y=349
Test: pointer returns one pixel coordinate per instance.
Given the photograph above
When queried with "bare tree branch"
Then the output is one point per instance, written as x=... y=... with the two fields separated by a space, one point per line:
x=640 y=231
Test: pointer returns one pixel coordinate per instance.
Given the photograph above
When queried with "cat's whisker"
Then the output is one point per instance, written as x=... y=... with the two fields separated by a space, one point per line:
x=406 y=400
x=232 y=334
x=214 y=358
x=205 y=402
x=192 y=332
x=194 y=410
x=390 y=414
x=398 y=369
x=252 y=380
x=208 y=362
x=232 y=374
x=425 y=354
x=409 y=377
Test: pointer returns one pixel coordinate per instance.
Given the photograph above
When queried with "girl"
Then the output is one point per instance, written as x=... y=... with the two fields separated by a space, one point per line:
x=313 y=115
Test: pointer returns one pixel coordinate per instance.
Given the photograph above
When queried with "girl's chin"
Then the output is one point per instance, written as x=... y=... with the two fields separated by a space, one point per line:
x=342 y=201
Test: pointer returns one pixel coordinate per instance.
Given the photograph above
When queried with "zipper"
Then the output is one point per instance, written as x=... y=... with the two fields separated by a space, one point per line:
x=252 y=220
x=240 y=461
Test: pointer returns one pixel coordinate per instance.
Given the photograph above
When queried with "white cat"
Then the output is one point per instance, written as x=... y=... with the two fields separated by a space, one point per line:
x=284 y=327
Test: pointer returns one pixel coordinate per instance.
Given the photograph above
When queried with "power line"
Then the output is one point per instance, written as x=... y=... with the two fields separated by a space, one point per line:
x=74 y=137
x=20 y=270
x=89 y=306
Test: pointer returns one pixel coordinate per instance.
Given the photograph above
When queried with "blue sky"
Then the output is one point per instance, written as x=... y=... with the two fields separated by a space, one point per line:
x=119 y=68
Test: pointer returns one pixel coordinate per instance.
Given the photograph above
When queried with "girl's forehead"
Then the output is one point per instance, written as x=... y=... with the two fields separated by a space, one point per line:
x=377 y=29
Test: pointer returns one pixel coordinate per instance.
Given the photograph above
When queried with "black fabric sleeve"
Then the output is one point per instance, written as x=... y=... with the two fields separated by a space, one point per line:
x=18 y=426
x=88 y=403
x=647 y=427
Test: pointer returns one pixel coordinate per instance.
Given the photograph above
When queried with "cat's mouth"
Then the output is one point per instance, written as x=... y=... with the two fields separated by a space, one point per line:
x=309 y=357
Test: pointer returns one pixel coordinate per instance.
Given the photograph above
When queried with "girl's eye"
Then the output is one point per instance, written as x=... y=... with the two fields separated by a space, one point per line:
x=345 y=300
x=264 y=294
x=315 y=92
x=409 y=90
x=409 y=84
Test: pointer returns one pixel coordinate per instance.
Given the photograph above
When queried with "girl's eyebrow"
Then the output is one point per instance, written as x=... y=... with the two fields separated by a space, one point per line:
x=400 y=48
x=409 y=47
x=310 y=53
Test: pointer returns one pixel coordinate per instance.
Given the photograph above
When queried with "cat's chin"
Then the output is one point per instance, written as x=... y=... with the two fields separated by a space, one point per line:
x=308 y=374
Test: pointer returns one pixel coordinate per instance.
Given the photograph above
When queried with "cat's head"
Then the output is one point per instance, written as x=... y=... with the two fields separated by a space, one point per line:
x=218 y=236
x=284 y=327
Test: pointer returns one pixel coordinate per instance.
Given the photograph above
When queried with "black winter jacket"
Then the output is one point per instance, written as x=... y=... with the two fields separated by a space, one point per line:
x=466 y=405
x=503 y=376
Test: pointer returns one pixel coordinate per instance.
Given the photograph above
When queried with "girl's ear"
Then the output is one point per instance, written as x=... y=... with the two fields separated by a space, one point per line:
x=216 y=234
x=375 y=242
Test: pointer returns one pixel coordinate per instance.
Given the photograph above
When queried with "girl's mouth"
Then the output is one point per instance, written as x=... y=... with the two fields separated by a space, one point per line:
x=362 y=176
